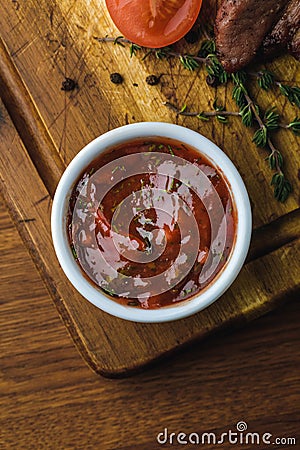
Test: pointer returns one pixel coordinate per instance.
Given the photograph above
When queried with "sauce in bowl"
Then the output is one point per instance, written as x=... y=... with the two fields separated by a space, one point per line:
x=151 y=222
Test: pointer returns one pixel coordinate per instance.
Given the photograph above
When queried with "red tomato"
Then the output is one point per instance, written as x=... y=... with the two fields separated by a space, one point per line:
x=154 y=23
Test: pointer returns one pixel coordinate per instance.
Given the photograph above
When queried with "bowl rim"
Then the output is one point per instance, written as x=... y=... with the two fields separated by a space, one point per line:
x=127 y=133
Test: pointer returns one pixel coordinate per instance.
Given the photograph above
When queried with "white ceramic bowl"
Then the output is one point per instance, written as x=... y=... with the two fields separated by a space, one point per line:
x=238 y=192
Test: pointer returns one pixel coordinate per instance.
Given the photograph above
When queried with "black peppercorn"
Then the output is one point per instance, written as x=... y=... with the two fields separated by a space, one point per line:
x=69 y=85
x=116 y=78
x=152 y=80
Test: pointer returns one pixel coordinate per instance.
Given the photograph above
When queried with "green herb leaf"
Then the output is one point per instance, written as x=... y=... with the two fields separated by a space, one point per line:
x=249 y=111
x=282 y=187
x=247 y=115
x=133 y=49
x=171 y=150
x=271 y=119
x=162 y=53
x=260 y=137
x=188 y=62
x=292 y=93
x=215 y=69
x=222 y=119
x=239 y=90
x=117 y=41
x=275 y=160
x=74 y=253
x=183 y=109
x=218 y=107
x=108 y=290
x=295 y=126
x=208 y=47
x=239 y=77
x=202 y=116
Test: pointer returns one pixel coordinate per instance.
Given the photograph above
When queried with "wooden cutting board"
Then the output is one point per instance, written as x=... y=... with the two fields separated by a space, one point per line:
x=42 y=128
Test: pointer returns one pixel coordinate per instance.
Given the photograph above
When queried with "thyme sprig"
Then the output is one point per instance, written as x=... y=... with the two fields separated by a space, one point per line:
x=294 y=125
x=206 y=56
x=291 y=92
x=189 y=62
x=249 y=111
x=269 y=122
x=267 y=80
x=221 y=111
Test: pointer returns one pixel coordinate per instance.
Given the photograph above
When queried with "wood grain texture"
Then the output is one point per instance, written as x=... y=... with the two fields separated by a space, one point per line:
x=57 y=43
x=51 y=400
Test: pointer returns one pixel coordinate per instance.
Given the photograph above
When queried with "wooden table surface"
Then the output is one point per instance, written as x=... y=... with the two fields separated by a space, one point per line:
x=50 y=399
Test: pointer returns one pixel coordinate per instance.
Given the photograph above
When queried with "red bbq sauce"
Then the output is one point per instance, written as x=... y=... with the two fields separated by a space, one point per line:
x=151 y=222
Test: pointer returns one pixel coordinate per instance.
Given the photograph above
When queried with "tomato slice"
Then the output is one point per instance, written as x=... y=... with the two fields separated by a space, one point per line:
x=154 y=23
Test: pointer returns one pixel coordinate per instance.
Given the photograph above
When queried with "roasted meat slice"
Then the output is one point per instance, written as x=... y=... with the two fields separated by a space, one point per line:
x=284 y=30
x=241 y=26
